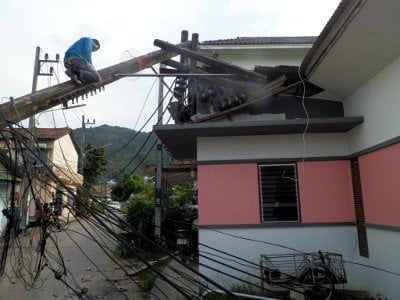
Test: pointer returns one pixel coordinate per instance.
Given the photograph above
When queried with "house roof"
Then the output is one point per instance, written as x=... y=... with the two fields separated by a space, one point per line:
x=361 y=34
x=51 y=133
x=42 y=133
x=45 y=134
x=262 y=40
x=173 y=173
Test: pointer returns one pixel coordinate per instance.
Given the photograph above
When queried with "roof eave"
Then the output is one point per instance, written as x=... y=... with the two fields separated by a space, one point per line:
x=173 y=135
x=337 y=24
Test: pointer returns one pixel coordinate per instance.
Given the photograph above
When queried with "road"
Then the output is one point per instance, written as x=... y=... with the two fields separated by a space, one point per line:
x=87 y=267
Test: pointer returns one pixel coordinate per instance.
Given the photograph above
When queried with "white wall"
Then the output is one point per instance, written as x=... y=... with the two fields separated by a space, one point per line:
x=379 y=102
x=384 y=249
x=384 y=246
x=272 y=146
x=64 y=153
x=243 y=243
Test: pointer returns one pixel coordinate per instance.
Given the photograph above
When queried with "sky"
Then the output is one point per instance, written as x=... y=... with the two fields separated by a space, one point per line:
x=125 y=28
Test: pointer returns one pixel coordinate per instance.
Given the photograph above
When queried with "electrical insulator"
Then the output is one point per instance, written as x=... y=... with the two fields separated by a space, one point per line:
x=46 y=56
x=57 y=57
x=180 y=81
x=180 y=87
x=178 y=94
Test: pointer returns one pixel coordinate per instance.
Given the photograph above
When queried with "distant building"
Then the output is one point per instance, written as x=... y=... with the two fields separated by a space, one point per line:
x=55 y=154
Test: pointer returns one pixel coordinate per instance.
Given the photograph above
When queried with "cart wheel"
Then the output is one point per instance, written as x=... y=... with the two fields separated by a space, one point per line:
x=319 y=284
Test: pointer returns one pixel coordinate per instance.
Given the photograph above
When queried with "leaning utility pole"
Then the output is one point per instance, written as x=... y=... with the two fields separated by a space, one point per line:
x=19 y=109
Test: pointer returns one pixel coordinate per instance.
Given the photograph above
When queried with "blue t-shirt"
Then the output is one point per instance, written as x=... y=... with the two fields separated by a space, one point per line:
x=82 y=48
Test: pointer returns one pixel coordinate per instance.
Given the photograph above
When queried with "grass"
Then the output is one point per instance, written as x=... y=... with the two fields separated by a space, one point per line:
x=147 y=278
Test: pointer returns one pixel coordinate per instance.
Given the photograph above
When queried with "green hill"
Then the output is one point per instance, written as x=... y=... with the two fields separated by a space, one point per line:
x=127 y=149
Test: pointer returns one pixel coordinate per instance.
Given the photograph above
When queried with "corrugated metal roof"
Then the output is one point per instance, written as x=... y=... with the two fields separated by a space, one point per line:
x=43 y=133
x=262 y=40
x=51 y=133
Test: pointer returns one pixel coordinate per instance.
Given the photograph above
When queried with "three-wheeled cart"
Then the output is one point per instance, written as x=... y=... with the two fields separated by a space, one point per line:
x=312 y=274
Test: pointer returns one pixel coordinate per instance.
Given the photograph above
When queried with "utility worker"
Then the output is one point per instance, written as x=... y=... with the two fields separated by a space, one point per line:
x=78 y=61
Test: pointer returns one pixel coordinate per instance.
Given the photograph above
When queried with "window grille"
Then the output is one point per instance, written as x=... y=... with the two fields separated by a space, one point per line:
x=278 y=192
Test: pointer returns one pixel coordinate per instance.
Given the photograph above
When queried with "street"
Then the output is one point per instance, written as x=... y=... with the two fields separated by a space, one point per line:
x=73 y=256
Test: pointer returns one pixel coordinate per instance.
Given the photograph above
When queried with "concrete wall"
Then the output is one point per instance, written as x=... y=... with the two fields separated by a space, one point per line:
x=65 y=154
x=272 y=147
x=384 y=272
x=250 y=243
x=380 y=174
x=326 y=193
x=325 y=197
x=378 y=101
x=229 y=193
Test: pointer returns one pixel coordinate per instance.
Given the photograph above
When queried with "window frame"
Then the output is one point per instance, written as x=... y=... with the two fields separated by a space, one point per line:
x=267 y=219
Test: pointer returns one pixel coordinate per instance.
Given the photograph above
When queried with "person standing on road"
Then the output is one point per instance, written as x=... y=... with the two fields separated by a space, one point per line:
x=78 y=61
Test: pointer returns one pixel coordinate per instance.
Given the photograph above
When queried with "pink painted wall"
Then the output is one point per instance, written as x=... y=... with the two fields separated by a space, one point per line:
x=326 y=191
x=228 y=194
x=380 y=183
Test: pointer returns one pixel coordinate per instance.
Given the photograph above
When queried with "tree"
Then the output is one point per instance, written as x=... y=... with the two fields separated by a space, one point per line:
x=94 y=164
x=140 y=210
x=177 y=210
x=129 y=184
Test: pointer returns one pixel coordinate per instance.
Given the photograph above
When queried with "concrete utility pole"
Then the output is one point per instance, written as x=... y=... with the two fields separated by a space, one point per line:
x=157 y=212
x=159 y=191
x=84 y=123
x=36 y=73
x=19 y=109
